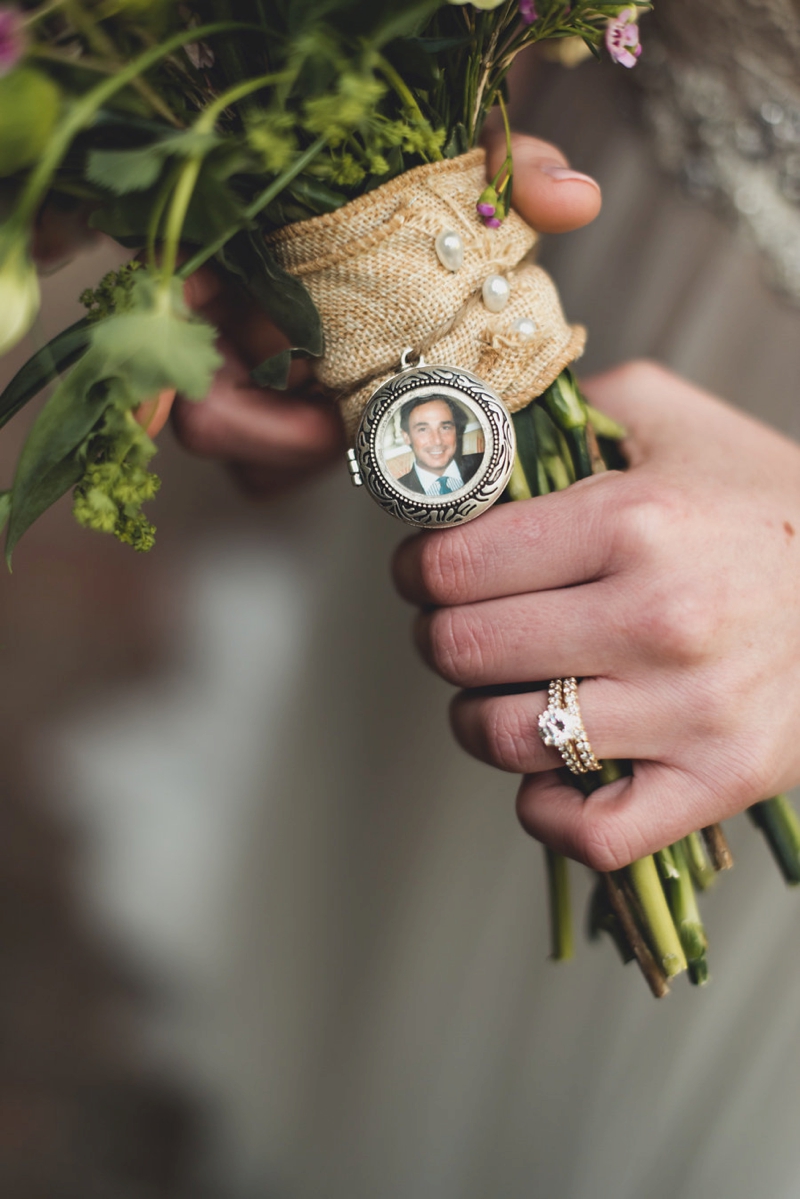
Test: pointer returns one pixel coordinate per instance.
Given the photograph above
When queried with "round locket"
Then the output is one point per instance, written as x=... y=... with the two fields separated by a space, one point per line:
x=435 y=446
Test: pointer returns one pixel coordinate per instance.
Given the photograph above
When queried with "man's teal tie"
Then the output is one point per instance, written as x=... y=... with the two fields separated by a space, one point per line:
x=444 y=486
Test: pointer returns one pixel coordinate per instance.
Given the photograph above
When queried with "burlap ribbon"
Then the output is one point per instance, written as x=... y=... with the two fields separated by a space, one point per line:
x=373 y=272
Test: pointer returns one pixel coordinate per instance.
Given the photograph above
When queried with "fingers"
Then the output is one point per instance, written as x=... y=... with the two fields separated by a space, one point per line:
x=534 y=545
x=547 y=193
x=621 y=721
x=550 y=634
x=618 y=823
x=664 y=413
x=250 y=425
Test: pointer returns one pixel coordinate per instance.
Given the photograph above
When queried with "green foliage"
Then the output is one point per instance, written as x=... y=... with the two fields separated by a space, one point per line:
x=220 y=131
x=116 y=482
x=112 y=294
x=144 y=342
x=123 y=171
x=43 y=367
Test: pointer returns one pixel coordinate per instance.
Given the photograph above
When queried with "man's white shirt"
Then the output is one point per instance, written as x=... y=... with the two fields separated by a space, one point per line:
x=430 y=482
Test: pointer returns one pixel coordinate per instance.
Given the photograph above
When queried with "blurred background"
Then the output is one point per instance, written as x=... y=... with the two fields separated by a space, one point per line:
x=265 y=931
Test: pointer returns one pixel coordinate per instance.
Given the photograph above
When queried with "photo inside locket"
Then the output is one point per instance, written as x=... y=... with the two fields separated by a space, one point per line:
x=433 y=444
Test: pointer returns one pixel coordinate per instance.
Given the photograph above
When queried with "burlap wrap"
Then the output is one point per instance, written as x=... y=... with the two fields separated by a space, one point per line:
x=373 y=272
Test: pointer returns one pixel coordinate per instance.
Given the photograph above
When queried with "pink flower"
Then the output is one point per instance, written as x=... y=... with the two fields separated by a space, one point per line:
x=12 y=39
x=622 y=38
x=527 y=12
x=492 y=222
x=486 y=209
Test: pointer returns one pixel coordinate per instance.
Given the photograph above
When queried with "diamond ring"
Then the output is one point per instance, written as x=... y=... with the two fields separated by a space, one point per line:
x=561 y=726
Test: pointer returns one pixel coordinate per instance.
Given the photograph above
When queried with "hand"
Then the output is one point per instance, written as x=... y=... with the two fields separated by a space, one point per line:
x=272 y=439
x=670 y=589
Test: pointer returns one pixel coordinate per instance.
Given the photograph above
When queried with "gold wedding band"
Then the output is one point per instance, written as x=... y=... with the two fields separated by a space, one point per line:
x=561 y=726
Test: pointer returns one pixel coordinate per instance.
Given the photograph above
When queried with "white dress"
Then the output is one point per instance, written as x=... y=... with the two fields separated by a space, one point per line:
x=348 y=925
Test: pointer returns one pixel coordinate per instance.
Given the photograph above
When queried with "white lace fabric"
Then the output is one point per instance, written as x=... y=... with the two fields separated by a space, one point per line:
x=721 y=84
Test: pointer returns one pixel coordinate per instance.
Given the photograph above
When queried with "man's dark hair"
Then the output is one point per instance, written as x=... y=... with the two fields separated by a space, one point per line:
x=459 y=417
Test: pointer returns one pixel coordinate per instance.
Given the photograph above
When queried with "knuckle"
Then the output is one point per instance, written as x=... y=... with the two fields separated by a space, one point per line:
x=455 y=647
x=640 y=374
x=640 y=524
x=677 y=626
x=447 y=567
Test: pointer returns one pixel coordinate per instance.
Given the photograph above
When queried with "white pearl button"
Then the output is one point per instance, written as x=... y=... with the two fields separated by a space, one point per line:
x=525 y=326
x=450 y=250
x=496 y=291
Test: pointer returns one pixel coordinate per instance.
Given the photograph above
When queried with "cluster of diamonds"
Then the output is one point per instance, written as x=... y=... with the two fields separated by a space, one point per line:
x=561 y=727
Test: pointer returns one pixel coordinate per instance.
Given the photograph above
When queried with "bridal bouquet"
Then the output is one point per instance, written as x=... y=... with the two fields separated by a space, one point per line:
x=323 y=155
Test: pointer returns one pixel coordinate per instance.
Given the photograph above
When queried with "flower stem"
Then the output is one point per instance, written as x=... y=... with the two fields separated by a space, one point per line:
x=718 y=848
x=561 y=939
x=654 y=975
x=702 y=871
x=81 y=112
x=251 y=212
x=683 y=904
x=660 y=927
x=779 y=823
x=187 y=179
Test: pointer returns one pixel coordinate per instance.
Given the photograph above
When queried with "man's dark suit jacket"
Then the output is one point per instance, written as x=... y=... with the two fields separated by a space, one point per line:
x=467 y=465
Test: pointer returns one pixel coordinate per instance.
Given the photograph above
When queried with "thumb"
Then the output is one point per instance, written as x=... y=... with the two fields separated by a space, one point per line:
x=548 y=194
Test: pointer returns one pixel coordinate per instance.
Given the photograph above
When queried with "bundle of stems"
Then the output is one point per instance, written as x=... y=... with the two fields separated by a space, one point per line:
x=649 y=908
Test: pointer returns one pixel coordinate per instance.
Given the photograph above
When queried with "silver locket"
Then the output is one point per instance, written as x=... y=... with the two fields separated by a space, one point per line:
x=435 y=446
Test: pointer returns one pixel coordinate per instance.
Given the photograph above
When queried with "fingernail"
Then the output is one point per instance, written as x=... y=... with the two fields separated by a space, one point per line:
x=565 y=174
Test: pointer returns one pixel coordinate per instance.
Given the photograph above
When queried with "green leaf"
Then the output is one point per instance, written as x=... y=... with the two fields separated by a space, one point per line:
x=156 y=344
x=458 y=142
x=48 y=465
x=44 y=366
x=136 y=170
x=282 y=297
x=45 y=489
x=123 y=171
x=5 y=508
x=274 y=372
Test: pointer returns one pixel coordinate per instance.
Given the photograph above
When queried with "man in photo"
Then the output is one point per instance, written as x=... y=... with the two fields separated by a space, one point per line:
x=434 y=428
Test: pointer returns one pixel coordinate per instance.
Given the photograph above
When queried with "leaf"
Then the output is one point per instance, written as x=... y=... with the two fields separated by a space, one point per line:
x=458 y=142
x=122 y=171
x=43 y=493
x=156 y=344
x=274 y=372
x=45 y=365
x=48 y=465
x=214 y=210
x=135 y=170
x=5 y=508
x=282 y=297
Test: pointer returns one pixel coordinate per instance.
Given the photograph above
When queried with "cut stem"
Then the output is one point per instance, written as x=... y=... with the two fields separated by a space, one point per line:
x=659 y=925
x=779 y=823
x=702 y=871
x=683 y=903
x=562 y=946
x=718 y=848
x=655 y=977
